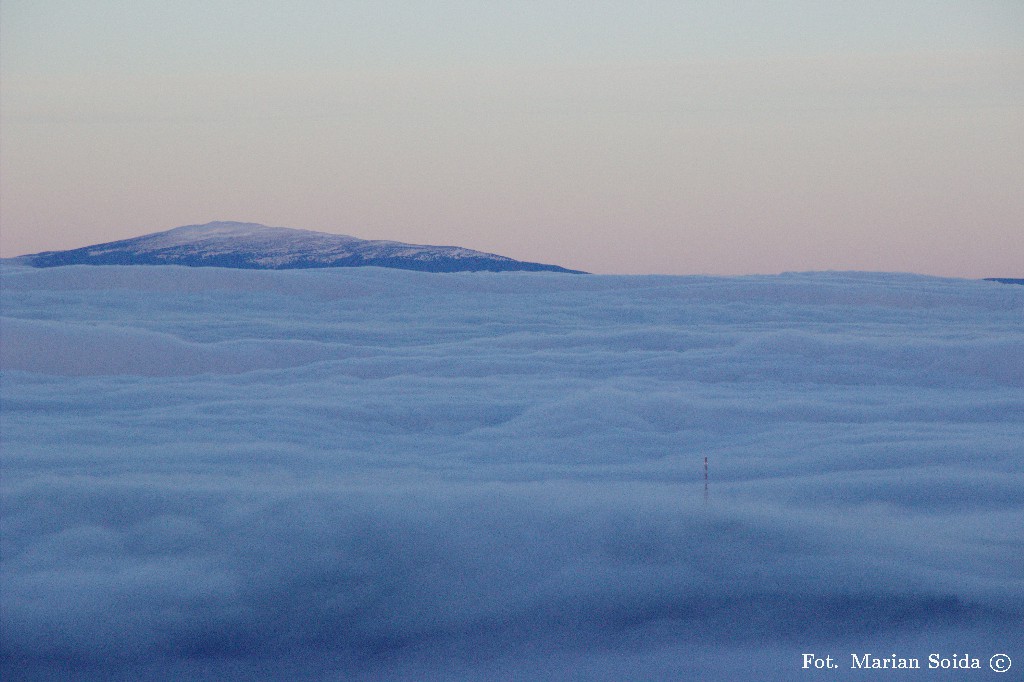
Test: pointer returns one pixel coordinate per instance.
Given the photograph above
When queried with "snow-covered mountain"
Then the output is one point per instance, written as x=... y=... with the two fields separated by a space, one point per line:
x=255 y=246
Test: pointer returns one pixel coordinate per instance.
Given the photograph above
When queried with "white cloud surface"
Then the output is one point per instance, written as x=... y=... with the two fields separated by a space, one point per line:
x=370 y=474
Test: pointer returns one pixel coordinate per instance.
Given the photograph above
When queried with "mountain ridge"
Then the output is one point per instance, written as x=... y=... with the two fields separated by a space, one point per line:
x=255 y=246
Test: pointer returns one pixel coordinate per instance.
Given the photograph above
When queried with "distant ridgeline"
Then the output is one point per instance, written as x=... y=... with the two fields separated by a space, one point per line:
x=254 y=246
x=1004 y=280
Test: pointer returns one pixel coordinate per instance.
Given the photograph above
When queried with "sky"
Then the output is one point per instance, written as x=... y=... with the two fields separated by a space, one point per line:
x=370 y=474
x=627 y=138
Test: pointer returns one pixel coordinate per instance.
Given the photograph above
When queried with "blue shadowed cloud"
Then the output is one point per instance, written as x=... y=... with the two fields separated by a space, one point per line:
x=220 y=474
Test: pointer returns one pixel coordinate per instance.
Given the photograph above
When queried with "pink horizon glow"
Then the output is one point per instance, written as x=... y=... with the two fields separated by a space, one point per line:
x=621 y=146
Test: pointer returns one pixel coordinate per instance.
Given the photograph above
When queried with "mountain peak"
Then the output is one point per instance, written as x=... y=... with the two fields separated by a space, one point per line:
x=255 y=246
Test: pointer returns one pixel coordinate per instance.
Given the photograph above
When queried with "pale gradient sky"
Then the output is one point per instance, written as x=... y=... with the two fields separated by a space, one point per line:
x=616 y=137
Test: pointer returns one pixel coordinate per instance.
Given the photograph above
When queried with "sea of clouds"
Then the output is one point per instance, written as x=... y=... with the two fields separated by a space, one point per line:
x=376 y=474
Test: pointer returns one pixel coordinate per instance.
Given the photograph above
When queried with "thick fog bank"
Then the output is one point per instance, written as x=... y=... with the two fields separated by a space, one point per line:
x=374 y=474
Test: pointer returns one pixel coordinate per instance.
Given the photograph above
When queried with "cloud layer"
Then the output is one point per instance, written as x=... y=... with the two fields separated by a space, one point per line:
x=375 y=474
